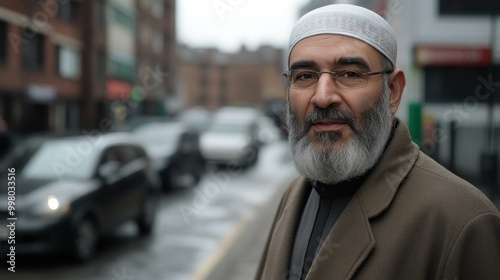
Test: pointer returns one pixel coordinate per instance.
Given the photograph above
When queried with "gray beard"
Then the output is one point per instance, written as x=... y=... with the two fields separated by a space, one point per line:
x=331 y=165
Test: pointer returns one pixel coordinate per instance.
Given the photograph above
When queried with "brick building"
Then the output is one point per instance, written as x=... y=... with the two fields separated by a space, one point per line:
x=40 y=66
x=213 y=79
x=155 y=54
x=68 y=65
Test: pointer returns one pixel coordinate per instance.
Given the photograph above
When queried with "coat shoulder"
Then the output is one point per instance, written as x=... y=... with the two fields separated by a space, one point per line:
x=439 y=188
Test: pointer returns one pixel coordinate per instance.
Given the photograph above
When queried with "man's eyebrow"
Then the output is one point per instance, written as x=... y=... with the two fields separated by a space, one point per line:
x=352 y=60
x=302 y=64
x=343 y=61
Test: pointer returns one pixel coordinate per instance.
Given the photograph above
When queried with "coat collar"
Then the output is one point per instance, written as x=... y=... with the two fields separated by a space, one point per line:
x=351 y=239
x=381 y=185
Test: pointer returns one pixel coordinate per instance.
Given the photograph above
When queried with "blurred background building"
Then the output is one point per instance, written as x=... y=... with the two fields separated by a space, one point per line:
x=67 y=65
x=450 y=51
x=213 y=79
x=156 y=57
x=41 y=70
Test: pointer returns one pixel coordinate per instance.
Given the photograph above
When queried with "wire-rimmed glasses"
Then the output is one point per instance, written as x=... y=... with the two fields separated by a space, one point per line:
x=344 y=78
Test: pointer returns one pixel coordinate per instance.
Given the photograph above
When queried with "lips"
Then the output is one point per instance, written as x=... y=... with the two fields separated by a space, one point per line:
x=328 y=124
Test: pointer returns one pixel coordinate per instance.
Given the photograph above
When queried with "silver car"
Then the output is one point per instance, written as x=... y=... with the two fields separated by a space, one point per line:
x=232 y=138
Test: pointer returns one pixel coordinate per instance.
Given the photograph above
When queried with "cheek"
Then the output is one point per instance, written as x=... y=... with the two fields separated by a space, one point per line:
x=365 y=101
x=299 y=104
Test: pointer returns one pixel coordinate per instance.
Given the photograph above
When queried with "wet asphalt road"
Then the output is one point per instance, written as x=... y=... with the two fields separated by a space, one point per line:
x=197 y=229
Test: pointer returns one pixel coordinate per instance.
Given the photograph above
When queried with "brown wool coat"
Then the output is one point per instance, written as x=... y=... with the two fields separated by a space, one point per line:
x=411 y=219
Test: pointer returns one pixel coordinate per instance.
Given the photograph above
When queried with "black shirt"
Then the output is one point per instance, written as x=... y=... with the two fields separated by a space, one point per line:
x=322 y=209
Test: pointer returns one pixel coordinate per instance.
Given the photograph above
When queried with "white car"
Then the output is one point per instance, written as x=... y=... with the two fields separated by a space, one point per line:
x=232 y=137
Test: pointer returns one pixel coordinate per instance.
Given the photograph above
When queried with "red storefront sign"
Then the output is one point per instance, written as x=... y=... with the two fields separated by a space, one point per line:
x=442 y=55
x=116 y=89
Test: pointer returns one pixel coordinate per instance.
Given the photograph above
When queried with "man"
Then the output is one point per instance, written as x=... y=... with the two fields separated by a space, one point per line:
x=368 y=204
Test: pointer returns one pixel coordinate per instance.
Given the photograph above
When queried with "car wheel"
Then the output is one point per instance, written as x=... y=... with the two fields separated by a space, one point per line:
x=84 y=240
x=147 y=215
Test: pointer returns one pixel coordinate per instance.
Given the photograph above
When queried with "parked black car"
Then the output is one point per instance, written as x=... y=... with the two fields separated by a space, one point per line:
x=175 y=152
x=70 y=190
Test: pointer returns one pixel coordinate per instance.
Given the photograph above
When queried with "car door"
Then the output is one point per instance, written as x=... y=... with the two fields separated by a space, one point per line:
x=134 y=181
x=189 y=153
x=109 y=196
x=121 y=193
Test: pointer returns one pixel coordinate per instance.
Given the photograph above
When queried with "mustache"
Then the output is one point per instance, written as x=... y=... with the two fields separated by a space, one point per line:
x=331 y=113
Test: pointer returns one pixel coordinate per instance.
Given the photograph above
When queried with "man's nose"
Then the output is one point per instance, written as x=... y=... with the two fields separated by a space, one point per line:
x=326 y=92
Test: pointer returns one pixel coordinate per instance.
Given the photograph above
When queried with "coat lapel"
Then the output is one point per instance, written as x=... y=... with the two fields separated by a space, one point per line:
x=380 y=187
x=280 y=246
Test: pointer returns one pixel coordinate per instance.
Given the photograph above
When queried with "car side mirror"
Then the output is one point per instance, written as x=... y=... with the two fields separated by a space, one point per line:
x=108 y=169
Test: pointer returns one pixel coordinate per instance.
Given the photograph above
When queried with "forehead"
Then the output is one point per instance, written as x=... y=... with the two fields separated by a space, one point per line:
x=329 y=48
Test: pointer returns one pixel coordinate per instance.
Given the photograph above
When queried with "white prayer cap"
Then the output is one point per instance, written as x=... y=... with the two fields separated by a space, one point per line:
x=347 y=20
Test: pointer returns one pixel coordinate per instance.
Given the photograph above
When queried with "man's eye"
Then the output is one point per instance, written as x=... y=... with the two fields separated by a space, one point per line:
x=304 y=76
x=349 y=74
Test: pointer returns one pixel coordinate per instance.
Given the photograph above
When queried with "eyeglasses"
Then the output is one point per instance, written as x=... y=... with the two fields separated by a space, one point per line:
x=344 y=78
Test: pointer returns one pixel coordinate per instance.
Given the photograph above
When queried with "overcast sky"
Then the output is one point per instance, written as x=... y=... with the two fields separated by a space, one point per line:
x=227 y=24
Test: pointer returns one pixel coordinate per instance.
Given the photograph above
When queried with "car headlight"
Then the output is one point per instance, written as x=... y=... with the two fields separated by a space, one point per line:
x=51 y=207
x=53 y=203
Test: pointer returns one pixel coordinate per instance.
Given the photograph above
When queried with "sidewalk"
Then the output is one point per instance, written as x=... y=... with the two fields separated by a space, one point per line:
x=241 y=259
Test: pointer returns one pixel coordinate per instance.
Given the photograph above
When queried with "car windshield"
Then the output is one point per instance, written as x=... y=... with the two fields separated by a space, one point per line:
x=155 y=138
x=54 y=160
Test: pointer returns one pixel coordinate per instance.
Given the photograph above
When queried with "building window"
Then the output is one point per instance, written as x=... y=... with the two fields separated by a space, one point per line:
x=169 y=6
x=145 y=34
x=101 y=15
x=203 y=75
x=203 y=99
x=3 y=41
x=72 y=115
x=467 y=7
x=460 y=84
x=157 y=9
x=123 y=17
x=203 y=82
x=166 y=43
x=121 y=66
x=68 y=11
x=68 y=62
x=145 y=3
x=33 y=52
x=223 y=76
x=158 y=41
x=222 y=83
x=222 y=99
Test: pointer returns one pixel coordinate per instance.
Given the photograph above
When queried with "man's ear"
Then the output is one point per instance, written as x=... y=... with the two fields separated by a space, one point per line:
x=397 y=82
